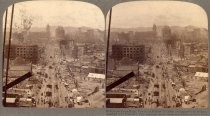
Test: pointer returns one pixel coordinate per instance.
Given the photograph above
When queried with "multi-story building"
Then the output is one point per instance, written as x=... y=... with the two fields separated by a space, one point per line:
x=29 y=53
x=66 y=47
x=81 y=50
x=133 y=52
x=185 y=50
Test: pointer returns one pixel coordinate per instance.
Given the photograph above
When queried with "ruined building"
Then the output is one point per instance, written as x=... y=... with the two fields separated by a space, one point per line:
x=133 y=52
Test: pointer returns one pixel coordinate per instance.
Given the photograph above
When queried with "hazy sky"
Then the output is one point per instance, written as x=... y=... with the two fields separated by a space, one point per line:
x=125 y=15
x=137 y=14
x=66 y=13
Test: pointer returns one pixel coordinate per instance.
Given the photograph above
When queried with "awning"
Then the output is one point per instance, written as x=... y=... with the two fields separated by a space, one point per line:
x=10 y=100
x=96 y=75
x=201 y=74
x=116 y=100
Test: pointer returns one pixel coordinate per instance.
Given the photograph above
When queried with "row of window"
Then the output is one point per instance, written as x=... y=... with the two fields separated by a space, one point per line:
x=127 y=52
x=24 y=48
x=132 y=48
x=20 y=51
x=136 y=52
x=25 y=55
x=128 y=55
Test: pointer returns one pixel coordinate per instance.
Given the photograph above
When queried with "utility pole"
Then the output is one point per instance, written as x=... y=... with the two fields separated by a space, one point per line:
x=8 y=55
x=5 y=29
x=108 y=37
x=5 y=33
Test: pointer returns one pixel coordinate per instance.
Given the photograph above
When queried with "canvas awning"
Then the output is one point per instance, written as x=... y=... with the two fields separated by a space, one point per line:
x=116 y=100
x=10 y=100
x=201 y=74
x=96 y=76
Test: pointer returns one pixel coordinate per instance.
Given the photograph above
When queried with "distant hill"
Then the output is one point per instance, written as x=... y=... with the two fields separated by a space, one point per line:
x=191 y=33
x=138 y=29
x=86 y=34
x=78 y=34
x=187 y=33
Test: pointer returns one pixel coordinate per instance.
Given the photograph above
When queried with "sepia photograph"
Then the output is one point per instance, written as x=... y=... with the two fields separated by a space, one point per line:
x=157 y=55
x=54 y=55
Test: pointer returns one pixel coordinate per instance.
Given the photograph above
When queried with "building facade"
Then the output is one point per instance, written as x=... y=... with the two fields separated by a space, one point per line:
x=133 y=52
x=29 y=53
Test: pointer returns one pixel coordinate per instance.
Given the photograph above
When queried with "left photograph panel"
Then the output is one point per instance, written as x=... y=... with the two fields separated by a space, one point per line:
x=54 y=55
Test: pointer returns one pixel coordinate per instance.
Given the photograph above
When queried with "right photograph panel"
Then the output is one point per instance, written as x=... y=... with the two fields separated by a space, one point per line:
x=157 y=55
